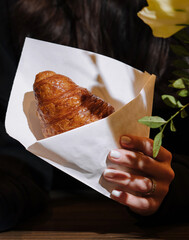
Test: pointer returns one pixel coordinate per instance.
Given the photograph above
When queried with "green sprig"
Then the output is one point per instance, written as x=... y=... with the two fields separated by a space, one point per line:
x=158 y=122
x=181 y=85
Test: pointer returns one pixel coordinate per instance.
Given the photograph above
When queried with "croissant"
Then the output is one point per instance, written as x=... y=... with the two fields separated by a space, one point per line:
x=62 y=105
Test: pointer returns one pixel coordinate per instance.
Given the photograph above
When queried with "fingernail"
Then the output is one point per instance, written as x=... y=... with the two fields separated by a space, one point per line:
x=109 y=173
x=115 y=154
x=116 y=193
x=125 y=140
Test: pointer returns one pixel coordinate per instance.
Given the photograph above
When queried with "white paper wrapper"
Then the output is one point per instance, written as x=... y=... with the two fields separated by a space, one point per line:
x=82 y=152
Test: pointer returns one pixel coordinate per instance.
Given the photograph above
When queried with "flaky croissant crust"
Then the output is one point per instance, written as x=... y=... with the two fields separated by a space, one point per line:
x=62 y=105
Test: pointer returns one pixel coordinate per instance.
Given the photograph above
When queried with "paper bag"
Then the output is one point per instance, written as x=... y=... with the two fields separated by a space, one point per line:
x=82 y=152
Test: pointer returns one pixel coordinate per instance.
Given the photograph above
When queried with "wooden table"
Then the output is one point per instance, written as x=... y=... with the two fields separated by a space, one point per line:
x=90 y=216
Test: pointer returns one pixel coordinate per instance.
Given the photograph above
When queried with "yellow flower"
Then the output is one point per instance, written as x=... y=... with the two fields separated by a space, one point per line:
x=166 y=17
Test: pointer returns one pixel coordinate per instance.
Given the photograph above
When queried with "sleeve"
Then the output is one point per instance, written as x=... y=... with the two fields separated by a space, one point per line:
x=24 y=178
x=20 y=196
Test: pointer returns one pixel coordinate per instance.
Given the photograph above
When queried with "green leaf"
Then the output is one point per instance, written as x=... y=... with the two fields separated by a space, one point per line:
x=186 y=81
x=183 y=113
x=179 y=50
x=181 y=64
x=152 y=121
x=179 y=84
x=171 y=101
x=157 y=144
x=179 y=104
x=172 y=126
x=183 y=93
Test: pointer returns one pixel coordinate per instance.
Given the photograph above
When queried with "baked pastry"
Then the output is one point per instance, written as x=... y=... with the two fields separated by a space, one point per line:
x=62 y=105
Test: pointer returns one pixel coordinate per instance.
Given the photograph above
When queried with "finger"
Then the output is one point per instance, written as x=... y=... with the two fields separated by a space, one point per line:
x=139 y=162
x=128 y=182
x=140 y=205
x=144 y=145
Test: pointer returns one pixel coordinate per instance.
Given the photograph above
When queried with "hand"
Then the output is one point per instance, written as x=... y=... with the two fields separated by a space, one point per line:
x=144 y=190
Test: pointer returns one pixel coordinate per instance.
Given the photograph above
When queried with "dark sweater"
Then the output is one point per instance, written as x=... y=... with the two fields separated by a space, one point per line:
x=26 y=179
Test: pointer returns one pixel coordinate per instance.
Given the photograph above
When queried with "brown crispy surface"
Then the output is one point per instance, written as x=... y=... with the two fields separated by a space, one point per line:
x=63 y=105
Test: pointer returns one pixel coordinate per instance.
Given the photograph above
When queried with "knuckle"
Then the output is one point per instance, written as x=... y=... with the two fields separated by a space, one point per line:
x=153 y=204
x=148 y=146
x=141 y=185
x=145 y=204
x=144 y=163
x=165 y=155
x=149 y=208
x=171 y=175
x=148 y=183
x=168 y=173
